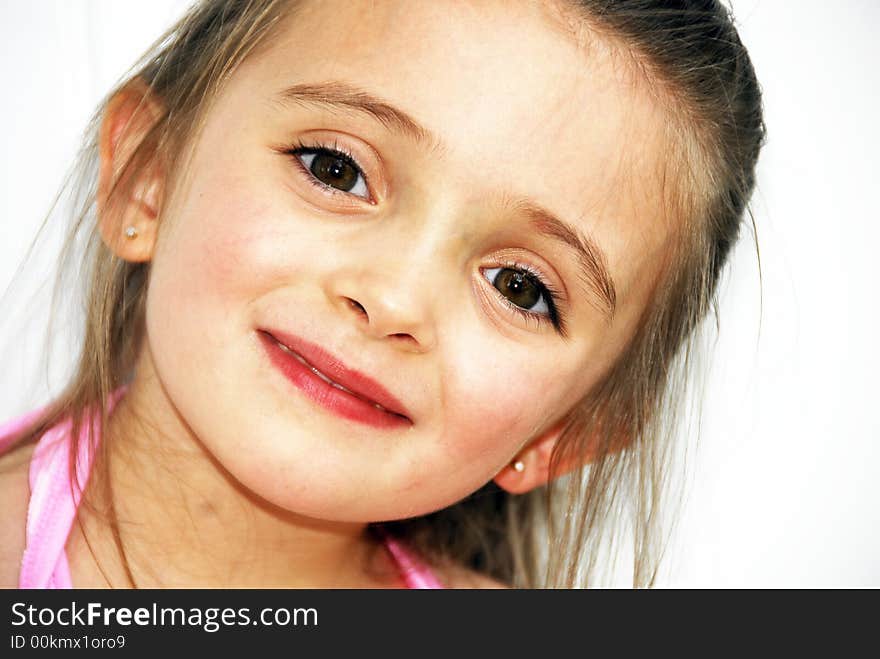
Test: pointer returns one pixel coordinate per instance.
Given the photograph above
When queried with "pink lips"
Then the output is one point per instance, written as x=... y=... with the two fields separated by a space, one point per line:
x=331 y=384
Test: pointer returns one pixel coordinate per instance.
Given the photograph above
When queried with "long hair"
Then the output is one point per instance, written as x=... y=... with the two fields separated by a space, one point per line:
x=689 y=55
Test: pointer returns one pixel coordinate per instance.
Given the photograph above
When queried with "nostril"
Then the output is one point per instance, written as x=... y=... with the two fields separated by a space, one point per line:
x=357 y=306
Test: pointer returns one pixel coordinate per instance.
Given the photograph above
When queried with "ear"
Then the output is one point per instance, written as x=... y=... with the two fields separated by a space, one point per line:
x=130 y=202
x=535 y=459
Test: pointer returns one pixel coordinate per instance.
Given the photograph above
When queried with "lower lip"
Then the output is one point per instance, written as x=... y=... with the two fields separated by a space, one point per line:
x=341 y=403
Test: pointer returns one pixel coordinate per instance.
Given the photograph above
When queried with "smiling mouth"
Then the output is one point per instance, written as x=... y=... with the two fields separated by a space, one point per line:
x=330 y=381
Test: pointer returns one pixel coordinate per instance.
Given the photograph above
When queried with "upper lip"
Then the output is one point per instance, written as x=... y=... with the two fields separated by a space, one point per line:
x=332 y=367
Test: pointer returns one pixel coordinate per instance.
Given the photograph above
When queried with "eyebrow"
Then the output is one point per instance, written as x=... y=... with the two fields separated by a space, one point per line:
x=592 y=259
x=342 y=95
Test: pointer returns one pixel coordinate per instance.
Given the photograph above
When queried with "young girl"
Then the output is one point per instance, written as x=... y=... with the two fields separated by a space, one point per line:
x=387 y=294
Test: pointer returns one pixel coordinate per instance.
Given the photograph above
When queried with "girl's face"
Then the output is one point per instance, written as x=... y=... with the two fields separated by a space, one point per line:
x=431 y=203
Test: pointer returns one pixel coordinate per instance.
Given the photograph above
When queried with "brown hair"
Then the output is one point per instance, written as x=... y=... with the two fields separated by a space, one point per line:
x=688 y=53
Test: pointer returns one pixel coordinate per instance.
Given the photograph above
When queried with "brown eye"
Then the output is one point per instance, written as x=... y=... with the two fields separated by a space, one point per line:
x=522 y=289
x=335 y=170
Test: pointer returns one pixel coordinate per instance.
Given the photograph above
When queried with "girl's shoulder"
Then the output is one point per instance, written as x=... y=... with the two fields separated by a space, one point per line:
x=14 y=495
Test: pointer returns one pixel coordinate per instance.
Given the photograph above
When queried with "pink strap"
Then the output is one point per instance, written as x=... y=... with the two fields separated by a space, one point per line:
x=54 y=501
x=415 y=573
x=42 y=566
x=50 y=513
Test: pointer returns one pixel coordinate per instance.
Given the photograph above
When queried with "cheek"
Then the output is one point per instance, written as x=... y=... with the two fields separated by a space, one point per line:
x=221 y=247
x=501 y=400
x=213 y=259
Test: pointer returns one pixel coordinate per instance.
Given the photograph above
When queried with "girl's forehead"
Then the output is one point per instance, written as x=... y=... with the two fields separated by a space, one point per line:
x=507 y=100
x=482 y=75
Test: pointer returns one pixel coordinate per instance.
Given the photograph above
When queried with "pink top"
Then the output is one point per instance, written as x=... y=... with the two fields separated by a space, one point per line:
x=53 y=504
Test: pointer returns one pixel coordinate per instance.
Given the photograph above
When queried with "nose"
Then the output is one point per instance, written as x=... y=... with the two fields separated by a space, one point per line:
x=387 y=301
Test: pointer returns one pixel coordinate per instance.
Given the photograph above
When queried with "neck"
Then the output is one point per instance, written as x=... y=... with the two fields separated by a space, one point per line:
x=184 y=521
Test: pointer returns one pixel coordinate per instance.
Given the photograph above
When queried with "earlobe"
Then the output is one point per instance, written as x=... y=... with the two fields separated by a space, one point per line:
x=129 y=190
x=531 y=466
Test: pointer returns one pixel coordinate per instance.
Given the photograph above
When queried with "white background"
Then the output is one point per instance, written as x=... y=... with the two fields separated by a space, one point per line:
x=785 y=484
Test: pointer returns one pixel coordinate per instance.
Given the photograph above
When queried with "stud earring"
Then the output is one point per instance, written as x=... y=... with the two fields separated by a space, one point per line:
x=131 y=233
x=519 y=466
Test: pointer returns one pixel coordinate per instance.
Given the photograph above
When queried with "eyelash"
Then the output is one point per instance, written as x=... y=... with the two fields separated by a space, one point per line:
x=300 y=148
x=551 y=295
